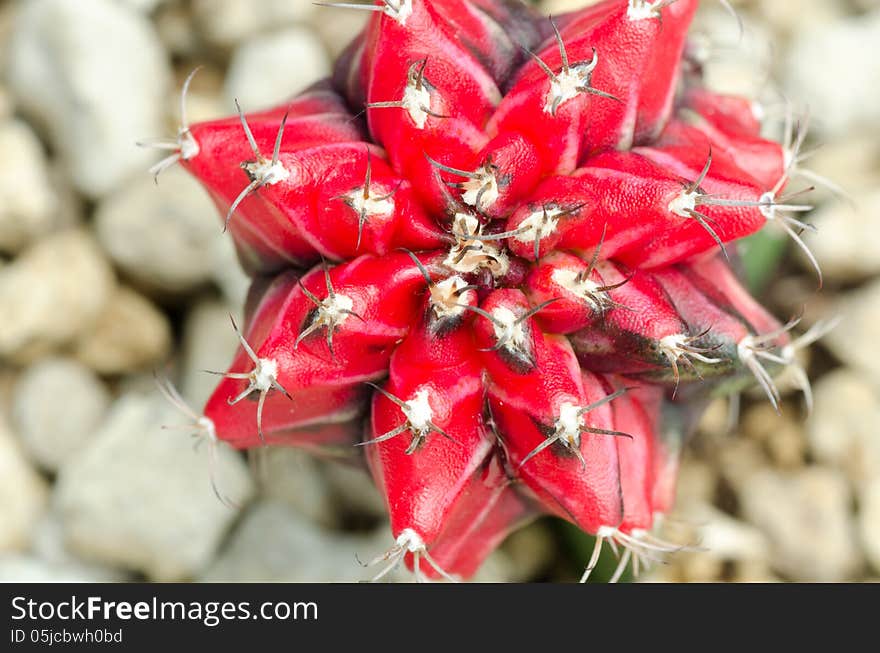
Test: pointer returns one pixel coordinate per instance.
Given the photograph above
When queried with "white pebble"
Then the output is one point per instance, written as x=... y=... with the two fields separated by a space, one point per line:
x=51 y=294
x=27 y=200
x=130 y=334
x=94 y=75
x=162 y=237
x=139 y=496
x=271 y=68
x=225 y=23
x=57 y=406
x=23 y=495
x=832 y=69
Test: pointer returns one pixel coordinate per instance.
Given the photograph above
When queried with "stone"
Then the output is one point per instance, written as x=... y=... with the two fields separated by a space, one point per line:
x=20 y=568
x=294 y=477
x=739 y=460
x=781 y=434
x=805 y=516
x=789 y=19
x=733 y=62
x=697 y=481
x=826 y=69
x=851 y=162
x=209 y=343
x=869 y=522
x=847 y=249
x=174 y=25
x=143 y=6
x=275 y=543
x=51 y=294
x=27 y=199
x=258 y=76
x=58 y=404
x=340 y=31
x=23 y=495
x=139 y=496
x=855 y=339
x=161 y=237
x=112 y=95
x=842 y=431
x=228 y=273
x=48 y=545
x=130 y=334
x=353 y=490
x=727 y=548
x=6 y=105
x=225 y=23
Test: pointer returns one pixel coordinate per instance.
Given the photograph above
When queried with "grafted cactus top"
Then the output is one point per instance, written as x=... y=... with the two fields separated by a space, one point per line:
x=485 y=254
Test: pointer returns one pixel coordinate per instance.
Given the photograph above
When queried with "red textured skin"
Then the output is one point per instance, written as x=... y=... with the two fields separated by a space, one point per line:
x=569 y=312
x=488 y=510
x=698 y=310
x=609 y=168
x=591 y=497
x=635 y=414
x=661 y=77
x=422 y=488
x=631 y=332
x=522 y=400
x=755 y=157
x=384 y=293
x=714 y=278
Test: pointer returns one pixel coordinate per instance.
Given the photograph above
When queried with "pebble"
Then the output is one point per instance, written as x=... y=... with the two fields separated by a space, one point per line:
x=738 y=460
x=842 y=431
x=21 y=568
x=161 y=236
x=174 y=25
x=353 y=490
x=209 y=343
x=130 y=334
x=51 y=294
x=112 y=95
x=23 y=495
x=57 y=406
x=227 y=272
x=782 y=434
x=48 y=545
x=729 y=549
x=737 y=63
x=275 y=543
x=697 y=481
x=846 y=246
x=6 y=108
x=340 y=31
x=869 y=522
x=828 y=69
x=294 y=477
x=854 y=340
x=851 y=162
x=257 y=80
x=225 y=23
x=143 y=6
x=27 y=200
x=806 y=518
x=139 y=496
x=788 y=18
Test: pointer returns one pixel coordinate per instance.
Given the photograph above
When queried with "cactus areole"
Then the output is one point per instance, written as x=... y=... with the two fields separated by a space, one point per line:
x=487 y=255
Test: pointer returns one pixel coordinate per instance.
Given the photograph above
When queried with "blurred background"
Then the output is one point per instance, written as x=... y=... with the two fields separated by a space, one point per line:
x=105 y=276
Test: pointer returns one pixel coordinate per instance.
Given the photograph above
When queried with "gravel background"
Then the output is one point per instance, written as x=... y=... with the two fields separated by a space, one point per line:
x=105 y=276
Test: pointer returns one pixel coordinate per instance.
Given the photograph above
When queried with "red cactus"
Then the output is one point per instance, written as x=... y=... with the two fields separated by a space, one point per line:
x=517 y=230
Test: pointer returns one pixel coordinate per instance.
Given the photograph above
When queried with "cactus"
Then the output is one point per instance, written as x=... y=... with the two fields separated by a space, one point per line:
x=486 y=254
